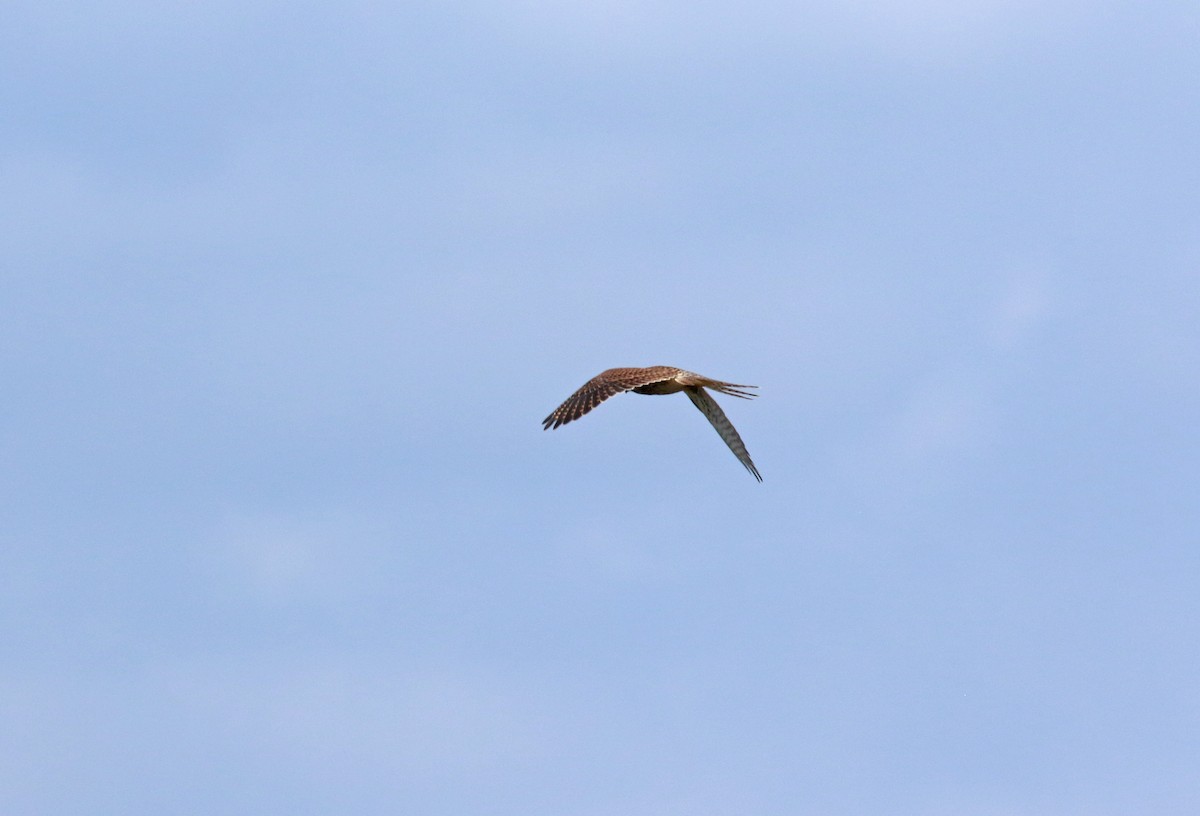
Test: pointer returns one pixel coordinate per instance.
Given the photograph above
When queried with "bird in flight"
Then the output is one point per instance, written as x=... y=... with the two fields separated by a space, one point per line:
x=658 y=380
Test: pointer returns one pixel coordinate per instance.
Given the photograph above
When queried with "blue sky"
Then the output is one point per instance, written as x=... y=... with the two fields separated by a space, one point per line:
x=288 y=290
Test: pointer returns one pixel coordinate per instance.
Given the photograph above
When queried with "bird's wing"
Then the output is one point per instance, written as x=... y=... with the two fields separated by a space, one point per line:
x=601 y=387
x=708 y=406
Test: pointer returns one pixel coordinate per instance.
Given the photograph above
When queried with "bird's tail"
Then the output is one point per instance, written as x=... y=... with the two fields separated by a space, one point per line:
x=732 y=389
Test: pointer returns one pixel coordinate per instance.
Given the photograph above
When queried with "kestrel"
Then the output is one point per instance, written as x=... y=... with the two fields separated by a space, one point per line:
x=658 y=380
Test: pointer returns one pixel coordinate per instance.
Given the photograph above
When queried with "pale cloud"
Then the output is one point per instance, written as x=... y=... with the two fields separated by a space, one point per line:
x=950 y=411
x=340 y=716
x=939 y=419
x=533 y=181
x=48 y=197
x=609 y=550
x=936 y=28
x=916 y=32
x=1019 y=310
x=275 y=559
x=330 y=718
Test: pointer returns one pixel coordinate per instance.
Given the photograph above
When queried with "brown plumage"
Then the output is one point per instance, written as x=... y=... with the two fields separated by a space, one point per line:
x=658 y=380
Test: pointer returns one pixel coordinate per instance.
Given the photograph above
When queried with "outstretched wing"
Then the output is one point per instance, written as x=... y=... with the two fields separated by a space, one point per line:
x=708 y=406
x=601 y=387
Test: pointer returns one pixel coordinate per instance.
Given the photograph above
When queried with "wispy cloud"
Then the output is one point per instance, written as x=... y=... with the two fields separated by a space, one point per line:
x=1022 y=306
x=931 y=31
x=274 y=559
x=950 y=410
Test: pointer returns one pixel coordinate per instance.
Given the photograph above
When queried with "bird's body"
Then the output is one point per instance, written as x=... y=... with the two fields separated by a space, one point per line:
x=657 y=380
